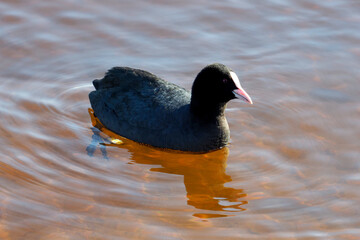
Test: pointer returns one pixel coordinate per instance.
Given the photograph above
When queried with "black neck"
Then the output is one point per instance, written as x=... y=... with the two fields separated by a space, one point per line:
x=207 y=110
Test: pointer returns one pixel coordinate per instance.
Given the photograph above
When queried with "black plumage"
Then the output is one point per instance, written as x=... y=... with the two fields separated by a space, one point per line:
x=142 y=107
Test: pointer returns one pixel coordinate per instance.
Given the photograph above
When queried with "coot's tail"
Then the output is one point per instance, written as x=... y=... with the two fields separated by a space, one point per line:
x=115 y=77
x=96 y=83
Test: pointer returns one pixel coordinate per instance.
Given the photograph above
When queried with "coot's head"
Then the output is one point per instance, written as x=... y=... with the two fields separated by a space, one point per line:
x=217 y=84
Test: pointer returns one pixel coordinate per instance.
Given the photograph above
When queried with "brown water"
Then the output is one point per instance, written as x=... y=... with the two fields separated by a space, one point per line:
x=292 y=170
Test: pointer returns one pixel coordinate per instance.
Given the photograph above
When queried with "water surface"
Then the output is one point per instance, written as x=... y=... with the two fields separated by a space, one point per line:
x=291 y=171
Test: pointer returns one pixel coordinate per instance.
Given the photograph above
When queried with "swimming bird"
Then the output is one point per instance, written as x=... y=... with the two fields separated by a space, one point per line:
x=142 y=107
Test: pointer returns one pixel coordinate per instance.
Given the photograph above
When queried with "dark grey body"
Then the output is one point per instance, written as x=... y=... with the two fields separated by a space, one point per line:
x=142 y=107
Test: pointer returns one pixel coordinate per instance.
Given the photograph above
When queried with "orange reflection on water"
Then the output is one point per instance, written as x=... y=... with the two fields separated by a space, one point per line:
x=204 y=174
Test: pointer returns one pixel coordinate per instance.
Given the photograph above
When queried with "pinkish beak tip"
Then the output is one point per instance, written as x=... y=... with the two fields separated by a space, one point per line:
x=241 y=94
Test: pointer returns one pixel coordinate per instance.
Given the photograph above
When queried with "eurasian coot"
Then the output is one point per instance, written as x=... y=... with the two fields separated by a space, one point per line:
x=142 y=107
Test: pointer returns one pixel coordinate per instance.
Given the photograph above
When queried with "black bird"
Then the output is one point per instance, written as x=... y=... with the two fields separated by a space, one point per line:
x=142 y=107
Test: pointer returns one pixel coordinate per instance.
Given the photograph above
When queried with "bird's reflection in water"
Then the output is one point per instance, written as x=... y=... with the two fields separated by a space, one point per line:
x=204 y=174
